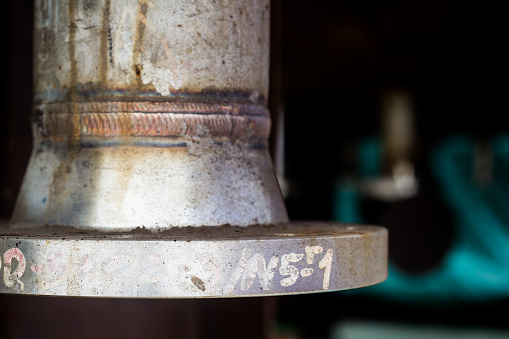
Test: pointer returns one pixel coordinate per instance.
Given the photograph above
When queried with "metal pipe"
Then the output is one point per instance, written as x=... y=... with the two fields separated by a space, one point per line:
x=150 y=175
x=150 y=114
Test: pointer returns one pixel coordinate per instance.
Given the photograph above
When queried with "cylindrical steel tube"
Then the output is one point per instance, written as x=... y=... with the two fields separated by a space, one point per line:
x=150 y=113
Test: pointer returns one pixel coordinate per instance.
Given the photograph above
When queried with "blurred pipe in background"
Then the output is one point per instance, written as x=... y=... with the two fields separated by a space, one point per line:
x=397 y=180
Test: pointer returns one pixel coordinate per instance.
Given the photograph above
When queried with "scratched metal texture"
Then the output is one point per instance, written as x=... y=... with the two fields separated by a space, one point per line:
x=193 y=262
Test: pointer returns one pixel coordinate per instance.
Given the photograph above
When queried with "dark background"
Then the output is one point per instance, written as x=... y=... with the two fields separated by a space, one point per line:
x=337 y=59
x=330 y=62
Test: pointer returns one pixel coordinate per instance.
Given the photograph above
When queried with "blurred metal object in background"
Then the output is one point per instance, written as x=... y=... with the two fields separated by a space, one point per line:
x=398 y=143
x=150 y=175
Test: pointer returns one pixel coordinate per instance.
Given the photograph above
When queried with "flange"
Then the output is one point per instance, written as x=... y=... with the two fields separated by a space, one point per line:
x=193 y=262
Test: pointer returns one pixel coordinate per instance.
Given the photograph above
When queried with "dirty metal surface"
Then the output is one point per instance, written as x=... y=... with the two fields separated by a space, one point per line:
x=155 y=49
x=150 y=113
x=156 y=184
x=150 y=175
x=201 y=262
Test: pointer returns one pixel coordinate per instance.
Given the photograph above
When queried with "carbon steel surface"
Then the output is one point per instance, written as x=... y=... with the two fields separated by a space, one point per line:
x=197 y=262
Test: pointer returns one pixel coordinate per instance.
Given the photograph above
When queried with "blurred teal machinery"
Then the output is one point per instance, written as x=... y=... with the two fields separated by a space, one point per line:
x=473 y=180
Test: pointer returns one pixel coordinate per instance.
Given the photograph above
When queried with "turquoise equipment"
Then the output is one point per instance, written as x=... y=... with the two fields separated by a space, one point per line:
x=476 y=266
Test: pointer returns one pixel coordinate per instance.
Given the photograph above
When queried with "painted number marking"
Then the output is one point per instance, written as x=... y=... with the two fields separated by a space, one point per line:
x=326 y=264
x=286 y=269
x=12 y=278
x=251 y=265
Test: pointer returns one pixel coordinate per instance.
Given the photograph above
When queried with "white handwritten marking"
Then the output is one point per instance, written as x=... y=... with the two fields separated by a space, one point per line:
x=256 y=264
x=153 y=270
x=237 y=272
x=306 y=272
x=326 y=264
x=290 y=270
x=14 y=277
x=311 y=251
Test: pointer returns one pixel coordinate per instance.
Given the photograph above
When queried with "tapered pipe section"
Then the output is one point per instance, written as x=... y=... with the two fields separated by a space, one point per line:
x=150 y=114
